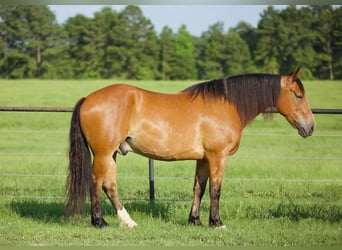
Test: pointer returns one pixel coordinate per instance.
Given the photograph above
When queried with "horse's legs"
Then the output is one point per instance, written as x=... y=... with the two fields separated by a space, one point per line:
x=99 y=170
x=201 y=178
x=216 y=169
x=111 y=190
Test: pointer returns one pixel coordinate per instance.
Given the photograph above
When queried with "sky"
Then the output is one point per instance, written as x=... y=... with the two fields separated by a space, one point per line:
x=197 y=18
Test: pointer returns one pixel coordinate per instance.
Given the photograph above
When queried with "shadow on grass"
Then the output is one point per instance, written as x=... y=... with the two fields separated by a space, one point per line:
x=159 y=210
x=295 y=212
x=54 y=211
x=44 y=211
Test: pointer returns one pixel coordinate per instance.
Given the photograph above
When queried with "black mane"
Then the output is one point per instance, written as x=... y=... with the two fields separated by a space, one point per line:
x=250 y=93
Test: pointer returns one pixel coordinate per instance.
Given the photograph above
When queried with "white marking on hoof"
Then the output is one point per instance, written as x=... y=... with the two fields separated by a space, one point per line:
x=125 y=220
x=221 y=227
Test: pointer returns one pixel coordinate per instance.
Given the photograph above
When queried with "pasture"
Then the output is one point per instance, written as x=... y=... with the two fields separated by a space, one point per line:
x=278 y=190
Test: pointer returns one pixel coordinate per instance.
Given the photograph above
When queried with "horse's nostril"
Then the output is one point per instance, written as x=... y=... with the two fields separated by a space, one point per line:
x=312 y=129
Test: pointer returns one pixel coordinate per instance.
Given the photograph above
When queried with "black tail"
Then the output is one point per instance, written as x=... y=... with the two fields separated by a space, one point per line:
x=79 y=177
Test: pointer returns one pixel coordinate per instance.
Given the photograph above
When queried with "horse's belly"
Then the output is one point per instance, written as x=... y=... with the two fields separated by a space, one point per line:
x=164 y=149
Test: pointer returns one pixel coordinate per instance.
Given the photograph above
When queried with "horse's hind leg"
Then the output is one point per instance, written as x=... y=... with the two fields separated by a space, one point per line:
x=111 y=190
x=201 y=178
x=100 y=167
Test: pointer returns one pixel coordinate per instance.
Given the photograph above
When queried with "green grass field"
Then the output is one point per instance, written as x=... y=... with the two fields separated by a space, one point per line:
x=279 y=189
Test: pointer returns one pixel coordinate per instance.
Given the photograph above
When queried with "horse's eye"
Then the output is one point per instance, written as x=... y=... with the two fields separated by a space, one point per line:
x=298 y=95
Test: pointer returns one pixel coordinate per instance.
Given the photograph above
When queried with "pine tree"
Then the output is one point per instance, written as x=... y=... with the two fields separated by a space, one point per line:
x=238 y=57
x=323 y=25
x=140 y=44
x=337 y=43
x=27 y=32
x=269 y=34
x=183 y=57
x=166 y=37
x=213 y=57
x=109 y=56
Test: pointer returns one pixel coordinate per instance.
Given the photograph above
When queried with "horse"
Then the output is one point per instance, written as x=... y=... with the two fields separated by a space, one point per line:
x=204 y=123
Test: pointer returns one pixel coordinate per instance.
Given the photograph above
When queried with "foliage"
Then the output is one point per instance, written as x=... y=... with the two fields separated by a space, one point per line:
x=183 y=56
x=124 y=44
x=27 y=33
x=166 y=40
x=213 y=58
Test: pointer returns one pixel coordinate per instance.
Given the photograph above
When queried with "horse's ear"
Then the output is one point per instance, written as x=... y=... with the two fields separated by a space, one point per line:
x=295 y=75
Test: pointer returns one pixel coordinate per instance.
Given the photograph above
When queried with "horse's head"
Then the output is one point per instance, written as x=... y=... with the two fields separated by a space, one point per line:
x=292 y=104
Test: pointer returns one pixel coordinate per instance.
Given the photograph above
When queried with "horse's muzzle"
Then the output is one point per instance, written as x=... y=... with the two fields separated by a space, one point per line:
x=306 y=131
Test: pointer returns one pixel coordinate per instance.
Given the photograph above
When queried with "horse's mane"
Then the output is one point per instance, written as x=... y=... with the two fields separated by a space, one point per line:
x=251 y=93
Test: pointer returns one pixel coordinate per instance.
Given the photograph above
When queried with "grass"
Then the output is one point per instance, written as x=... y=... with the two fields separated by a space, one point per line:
x=278 y=190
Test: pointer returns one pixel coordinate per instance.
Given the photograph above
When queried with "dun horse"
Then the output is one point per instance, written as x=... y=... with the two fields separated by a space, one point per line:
x=203 y=122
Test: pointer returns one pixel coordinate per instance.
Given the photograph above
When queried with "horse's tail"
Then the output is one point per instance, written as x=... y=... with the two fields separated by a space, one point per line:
x=79 y=178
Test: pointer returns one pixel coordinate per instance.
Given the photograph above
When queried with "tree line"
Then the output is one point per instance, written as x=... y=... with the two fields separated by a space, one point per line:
x=124 y=44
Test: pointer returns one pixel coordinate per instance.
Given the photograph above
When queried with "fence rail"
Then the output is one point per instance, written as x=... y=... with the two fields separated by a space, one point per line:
x=150 y=162
x=35 y=109
x=69 y=109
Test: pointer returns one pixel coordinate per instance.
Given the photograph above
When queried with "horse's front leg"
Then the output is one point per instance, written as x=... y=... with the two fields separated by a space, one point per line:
x=216 y=171
x=201 y=178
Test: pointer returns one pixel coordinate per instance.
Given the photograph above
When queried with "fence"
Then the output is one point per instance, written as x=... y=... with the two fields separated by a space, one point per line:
x=150 y=162
x=69 y=109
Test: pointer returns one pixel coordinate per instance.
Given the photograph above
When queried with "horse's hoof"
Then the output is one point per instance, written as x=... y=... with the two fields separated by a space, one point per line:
x=217 y=224
x=195 y=221
x=100 y=223
x=129 y=225
x=125 y=220
x=221 y=227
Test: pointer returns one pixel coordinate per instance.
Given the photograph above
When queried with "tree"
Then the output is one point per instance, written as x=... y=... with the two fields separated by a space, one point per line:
x=213 y=58
x=83 y=46
x=293 y=37
x=183 y=57
x=166 y=38
x=27 y=32
x=5 y=33
x=238 y=56
x=124 y=44
x=323 y=25
x=296 y=45
x=140 y=43
x=248 y=34
x=57 y=61
x=336 y=43
x=107 y=27
x=269 y=37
